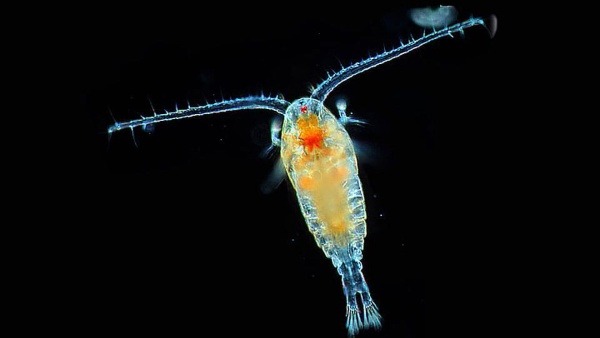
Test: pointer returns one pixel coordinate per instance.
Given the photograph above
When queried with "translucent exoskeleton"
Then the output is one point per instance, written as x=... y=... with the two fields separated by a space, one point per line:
x=319 y=158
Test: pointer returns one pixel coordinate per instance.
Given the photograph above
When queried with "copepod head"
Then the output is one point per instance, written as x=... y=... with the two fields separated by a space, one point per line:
x=304 y=108
x=304 y=123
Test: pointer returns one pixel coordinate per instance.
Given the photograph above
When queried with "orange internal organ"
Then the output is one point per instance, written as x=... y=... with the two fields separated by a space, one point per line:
x=330 y=198
x=311 y=135
x=306 y=183
x=340 y=173
x=323 y=180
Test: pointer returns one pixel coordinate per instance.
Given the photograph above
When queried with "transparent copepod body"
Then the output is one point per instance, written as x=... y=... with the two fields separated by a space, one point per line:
x=321 y=164
x=320 y=161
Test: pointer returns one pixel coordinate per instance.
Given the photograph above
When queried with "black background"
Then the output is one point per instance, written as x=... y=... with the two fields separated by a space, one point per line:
x=178 y=237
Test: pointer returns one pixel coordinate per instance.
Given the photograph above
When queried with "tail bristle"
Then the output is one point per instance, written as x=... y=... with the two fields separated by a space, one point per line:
x=353 y=321
x=372 y=318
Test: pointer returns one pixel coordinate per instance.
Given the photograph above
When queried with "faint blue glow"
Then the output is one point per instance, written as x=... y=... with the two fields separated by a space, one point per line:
x=341 y=105
x=428 y=17
x=148 y=128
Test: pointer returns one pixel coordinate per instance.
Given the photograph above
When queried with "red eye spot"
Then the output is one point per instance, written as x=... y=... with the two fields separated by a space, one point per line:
x=303 y=109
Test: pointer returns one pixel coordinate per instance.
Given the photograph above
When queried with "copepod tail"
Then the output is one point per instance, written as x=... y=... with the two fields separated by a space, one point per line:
x=354 y=284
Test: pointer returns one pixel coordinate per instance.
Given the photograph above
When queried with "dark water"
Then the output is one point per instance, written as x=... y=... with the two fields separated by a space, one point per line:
x=187 y=241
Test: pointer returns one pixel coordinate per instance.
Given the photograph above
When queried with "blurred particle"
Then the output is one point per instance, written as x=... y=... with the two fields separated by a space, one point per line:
x=428 y=17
